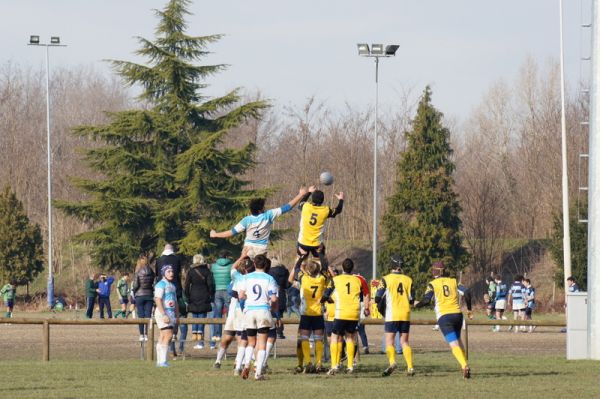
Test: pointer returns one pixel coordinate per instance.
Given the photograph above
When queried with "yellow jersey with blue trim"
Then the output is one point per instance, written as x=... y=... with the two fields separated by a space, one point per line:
x=398 y=296
x=312 y=224
x=446 y=291
x=330 y=310
x=347 y=295
x=311 y=292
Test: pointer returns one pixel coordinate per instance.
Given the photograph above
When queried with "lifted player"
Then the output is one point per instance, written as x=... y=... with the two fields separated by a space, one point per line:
x=445 y=292
x=312 y=223
x=258 y=224
x=394 y=299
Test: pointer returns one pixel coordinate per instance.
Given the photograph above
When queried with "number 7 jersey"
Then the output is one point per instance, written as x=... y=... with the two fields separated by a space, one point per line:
x=311 y=292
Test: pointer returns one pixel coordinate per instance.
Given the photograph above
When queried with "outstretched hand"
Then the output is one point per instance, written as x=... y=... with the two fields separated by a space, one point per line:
x=340 y=196
x=302 y=191
x=213 y=234
x=312 y=189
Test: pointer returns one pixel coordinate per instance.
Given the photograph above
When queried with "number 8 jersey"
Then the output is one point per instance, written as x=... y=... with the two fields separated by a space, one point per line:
x=259 y=288
x=446 y=291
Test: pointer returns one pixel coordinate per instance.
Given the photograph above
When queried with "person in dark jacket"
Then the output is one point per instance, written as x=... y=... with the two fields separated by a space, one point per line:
x=143 y=292
x=281 y=275
x=168 y=257
x=91 y=285
x=200 y=292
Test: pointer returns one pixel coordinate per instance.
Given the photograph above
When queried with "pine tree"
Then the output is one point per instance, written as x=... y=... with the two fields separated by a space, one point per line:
x=422 y=223
x=21 y=243
x=578 y=232
x=166 y=175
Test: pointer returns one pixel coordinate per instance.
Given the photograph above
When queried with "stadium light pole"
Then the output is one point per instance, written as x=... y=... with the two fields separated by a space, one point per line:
x=34 y=40
x=376 y=51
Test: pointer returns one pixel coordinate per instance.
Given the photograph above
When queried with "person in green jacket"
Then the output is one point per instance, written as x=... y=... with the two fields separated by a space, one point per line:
x=91 y=285
x=123 y=294
x=9 y=292
x=221 y=271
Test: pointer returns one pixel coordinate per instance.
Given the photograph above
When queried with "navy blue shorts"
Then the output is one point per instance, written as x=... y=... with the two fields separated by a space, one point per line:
x=277 y=315
x=272 y=333
x=123 y=301
x=340 y=327
x=328 y=327
x=311 y=323
x=314 y=251
x=450 y=326
x=242 y=334
x=9 y=304
x=402 y=327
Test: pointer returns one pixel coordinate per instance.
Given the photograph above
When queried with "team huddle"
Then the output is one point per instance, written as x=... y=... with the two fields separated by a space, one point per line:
x=332 y=301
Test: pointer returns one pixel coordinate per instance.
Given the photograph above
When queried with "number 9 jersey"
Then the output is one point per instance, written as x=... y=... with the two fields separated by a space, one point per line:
x=259 y=287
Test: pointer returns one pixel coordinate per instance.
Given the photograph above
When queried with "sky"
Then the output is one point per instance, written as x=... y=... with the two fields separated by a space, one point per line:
x=292 y=50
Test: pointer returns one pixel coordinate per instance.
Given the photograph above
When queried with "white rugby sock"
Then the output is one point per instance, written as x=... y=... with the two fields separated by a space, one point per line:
x=248 y=355
x=239 y=358
x=161 y=353
x=220 y=354
x=260 y=358
x=268 y=352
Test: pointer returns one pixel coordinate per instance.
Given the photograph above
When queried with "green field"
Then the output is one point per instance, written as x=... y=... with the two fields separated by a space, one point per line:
x=437 y=376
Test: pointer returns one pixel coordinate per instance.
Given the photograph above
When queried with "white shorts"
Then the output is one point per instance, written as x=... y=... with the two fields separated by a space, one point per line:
x=254 y=250
x=518 y=306
x=255 y=319
x=235 y=321
x=500 y=304
x=161 y=323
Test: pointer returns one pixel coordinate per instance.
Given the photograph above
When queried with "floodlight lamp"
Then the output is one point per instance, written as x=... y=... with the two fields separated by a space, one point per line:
x=377 y=49
x=34 y=39
x=363 y=49
x=391 y=49
x=55 y=40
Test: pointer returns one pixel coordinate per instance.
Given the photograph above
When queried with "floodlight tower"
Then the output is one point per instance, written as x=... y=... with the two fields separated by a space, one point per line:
x=34 y=40
x=376 y=51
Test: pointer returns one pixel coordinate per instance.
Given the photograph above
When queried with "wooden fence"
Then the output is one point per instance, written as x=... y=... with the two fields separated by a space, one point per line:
x=150 y=355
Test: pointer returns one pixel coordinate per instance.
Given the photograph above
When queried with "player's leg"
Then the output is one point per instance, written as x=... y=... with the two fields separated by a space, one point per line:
x=406 y=349
x=303 y=337
x=261 y=346
x=390 y=351
x=226 y=340
x=351 y=337
x=271 y=339
x=318 y=335
x=242 y=342
x=451 y=325
x=249 y=351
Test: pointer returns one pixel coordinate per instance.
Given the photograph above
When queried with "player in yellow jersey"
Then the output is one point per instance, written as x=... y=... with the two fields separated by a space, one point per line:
x=312 y=224
x=346 y=292
x=329 y=318
x=394 y=299
x=445 y=292
x=311 y=284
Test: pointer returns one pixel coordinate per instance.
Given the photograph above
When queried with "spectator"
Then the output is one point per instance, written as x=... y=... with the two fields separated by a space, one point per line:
x=293 y=301
x=168 y=257
x=143 y=292
x=123 y=294
x=530 y=298
x=572 y=284
x=91 y=285
x=104 y=294
x=281 y=275
x=9 y=292
x=221 y=271
x=200 y=291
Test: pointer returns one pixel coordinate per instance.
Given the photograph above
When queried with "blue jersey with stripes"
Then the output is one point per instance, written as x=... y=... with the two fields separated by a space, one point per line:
x=259 y=287
x=168 y=293
x=258 y=227
x=501 y=291
x=530 y=297
x=517 y=293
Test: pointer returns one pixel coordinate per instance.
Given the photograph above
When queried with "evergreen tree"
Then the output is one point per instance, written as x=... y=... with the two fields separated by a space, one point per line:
x=422 y=223
x=21 y=243
x=578 y=232
x=166 y=175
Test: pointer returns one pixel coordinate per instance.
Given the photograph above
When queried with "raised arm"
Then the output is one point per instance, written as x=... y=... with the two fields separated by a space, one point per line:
x=222 y=234
x=338 y=209
x=296 y=200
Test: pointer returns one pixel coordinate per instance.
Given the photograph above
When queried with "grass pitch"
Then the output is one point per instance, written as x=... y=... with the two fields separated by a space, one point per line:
x=438 y=375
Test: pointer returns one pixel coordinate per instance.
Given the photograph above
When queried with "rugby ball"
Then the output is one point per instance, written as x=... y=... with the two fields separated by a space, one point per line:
x=326 y=178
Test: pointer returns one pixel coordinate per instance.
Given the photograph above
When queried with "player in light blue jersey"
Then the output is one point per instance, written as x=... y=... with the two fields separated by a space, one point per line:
x=530 y=298
x=259 y=292
x=258 y=224
x=166 y=314
x=500 y=304
x=516 y=296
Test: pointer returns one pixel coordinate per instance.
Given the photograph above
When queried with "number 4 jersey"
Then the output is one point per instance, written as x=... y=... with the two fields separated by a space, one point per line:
x=259 y=287
x=398 y=296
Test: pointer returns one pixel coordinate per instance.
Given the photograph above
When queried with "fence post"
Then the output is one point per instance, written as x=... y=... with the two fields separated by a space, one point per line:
x=150 y=343
x=46 y=341
x=467 y=338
